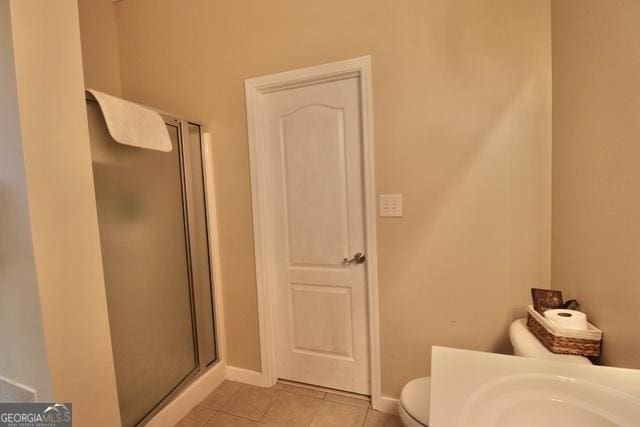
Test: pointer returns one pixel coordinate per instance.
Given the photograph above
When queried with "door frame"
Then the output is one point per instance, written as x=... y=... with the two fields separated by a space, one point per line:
x=255 y=90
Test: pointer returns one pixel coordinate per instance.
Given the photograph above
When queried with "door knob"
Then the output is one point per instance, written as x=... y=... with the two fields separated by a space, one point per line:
x=357 y=259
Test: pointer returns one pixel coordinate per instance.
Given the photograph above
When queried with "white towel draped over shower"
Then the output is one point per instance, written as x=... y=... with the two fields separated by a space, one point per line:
x=133 y=124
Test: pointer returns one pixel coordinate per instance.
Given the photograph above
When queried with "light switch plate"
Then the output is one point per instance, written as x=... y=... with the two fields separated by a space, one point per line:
x=391 y=205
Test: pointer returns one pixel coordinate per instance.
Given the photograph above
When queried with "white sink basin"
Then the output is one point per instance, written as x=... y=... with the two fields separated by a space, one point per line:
x=475 y=389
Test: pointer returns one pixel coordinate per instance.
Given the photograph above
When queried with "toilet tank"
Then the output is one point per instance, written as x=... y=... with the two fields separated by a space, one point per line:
x=527 y=345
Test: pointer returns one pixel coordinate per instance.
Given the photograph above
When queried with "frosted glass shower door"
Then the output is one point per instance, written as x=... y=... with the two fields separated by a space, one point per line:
x=145 y=251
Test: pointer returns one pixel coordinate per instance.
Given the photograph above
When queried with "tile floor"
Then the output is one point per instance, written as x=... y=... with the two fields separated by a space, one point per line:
x=234 y=404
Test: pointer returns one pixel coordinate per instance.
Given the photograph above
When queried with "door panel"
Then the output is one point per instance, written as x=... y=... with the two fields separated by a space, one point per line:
x=313 y=148
x=333 y=304
x=313 y=144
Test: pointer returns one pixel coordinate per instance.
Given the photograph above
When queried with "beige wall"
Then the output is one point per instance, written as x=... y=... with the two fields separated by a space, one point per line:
x=596 y=166
x=100 y=57
x=64 y=224
x=462 y=129
x=23 y=357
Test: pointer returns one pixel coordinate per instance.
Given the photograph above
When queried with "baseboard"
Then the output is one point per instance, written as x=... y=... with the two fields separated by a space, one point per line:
x=386 y=404
x=190 y=397
x=246 y=376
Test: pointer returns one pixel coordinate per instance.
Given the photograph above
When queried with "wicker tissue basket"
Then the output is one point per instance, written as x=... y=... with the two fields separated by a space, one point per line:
x=564 y=341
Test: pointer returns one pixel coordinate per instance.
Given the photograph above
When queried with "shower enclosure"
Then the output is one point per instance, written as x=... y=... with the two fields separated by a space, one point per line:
x=155 y=254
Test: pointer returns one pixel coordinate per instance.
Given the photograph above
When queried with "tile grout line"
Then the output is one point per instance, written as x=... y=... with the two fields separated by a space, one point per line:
x=279 y=395
x=219 y=409
x=271 y=404
x=366 y=415
x=326 y=390
x=315 y=414
x=282 y=391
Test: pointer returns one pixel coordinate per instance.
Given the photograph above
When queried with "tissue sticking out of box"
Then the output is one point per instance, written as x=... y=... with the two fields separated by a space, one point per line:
x=567 y=319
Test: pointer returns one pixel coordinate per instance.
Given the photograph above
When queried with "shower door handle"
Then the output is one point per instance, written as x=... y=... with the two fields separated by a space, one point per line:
x=358 y=258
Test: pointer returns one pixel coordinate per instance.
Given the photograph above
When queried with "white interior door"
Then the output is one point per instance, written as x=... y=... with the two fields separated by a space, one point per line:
x=314 y=157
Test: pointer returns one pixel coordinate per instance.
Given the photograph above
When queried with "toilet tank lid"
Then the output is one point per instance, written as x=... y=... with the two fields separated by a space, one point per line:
x=529 y=346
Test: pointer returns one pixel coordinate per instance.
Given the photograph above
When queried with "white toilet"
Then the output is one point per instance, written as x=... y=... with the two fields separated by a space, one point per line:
x=414 y=402
x=414 y=398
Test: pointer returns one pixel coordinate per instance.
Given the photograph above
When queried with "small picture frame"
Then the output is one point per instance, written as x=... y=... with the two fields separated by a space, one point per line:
x=546 y=299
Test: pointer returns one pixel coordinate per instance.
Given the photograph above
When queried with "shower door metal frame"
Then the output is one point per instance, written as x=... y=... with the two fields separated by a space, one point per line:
x=188 y=196
x=197 y=304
